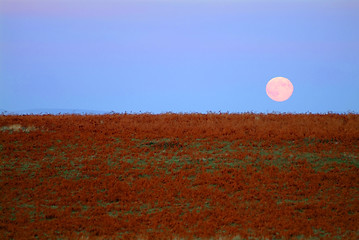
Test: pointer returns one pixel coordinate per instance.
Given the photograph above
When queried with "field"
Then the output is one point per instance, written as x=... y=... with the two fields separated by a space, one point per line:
x=179 y=176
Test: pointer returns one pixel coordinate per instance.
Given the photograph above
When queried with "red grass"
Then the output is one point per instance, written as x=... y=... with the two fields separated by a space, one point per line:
x=179 y=175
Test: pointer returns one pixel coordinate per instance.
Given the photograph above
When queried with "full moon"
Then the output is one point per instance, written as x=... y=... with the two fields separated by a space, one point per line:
x=279 y=89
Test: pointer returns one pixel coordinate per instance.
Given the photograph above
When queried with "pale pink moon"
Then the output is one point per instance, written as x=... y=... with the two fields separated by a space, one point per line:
x=279 y=89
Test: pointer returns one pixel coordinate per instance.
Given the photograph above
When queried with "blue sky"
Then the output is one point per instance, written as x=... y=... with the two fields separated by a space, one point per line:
x=178 y=56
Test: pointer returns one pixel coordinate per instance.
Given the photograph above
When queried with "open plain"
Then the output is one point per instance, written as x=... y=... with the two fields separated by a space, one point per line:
x=179 y=176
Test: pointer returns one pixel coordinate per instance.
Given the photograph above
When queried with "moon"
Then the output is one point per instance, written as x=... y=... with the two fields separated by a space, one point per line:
x=279 y=89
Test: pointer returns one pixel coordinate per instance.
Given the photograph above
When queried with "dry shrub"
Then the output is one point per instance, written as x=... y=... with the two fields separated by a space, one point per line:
x=14 y=127
x=18 y=127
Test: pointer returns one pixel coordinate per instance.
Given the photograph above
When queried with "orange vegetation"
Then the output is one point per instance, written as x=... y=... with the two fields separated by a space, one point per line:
x=169 y=176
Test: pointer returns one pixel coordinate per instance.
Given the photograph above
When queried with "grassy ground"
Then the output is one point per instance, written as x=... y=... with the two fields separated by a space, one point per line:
x=93 y=184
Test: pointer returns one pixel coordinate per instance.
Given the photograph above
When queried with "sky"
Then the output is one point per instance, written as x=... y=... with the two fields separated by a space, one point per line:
x=160 y=56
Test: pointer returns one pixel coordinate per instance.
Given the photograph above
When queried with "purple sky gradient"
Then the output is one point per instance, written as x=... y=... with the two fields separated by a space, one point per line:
x=161 y=56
